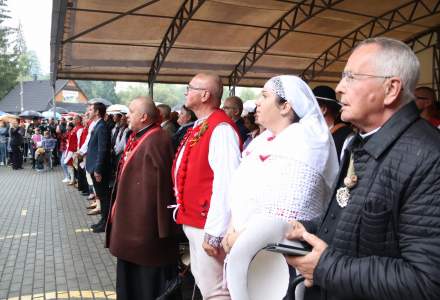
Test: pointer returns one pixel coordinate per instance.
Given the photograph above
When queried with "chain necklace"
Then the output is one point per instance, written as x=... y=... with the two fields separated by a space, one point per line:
x=350 y=181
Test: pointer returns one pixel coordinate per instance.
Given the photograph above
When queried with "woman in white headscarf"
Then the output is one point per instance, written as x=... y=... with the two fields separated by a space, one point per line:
x=286 y=174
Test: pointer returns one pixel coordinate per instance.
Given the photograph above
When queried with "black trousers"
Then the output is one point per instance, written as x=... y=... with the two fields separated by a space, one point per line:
x=33 y=157
x=102 y=190
x=82 y=180
x=135 y=282
x=16 y=157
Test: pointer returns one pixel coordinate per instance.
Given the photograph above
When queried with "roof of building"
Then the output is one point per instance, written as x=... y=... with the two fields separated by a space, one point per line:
x=75 y=107
x=37 y=95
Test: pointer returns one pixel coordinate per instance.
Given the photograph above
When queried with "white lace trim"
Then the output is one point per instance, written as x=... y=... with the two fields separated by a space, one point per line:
x=281 y=186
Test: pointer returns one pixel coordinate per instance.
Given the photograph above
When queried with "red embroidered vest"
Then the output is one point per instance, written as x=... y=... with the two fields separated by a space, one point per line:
x=72 y=141
x=84 y=134
x=195 y=176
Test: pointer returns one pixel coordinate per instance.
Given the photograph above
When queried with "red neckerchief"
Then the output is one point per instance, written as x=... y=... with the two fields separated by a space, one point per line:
x=131 y=146
x=129 y=150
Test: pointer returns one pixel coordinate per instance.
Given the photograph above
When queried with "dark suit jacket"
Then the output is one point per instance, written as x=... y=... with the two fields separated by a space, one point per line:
x=98 y=149
x=242 y=129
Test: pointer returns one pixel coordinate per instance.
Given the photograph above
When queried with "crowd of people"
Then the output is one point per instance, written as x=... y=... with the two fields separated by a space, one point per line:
x=33 y=139
x=355 y=178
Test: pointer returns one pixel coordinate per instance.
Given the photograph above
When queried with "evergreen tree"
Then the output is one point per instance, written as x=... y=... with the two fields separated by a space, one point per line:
x=8 y=57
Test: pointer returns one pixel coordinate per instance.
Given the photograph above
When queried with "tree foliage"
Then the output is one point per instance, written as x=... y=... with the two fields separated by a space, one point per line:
x=8 y=57
x=27 y=60
x=131 y=92
x=99 y=89
x=248 y=94
x=171 y=94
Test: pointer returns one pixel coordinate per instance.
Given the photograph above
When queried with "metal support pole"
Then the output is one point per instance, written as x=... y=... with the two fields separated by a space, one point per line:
x=436 y=67
x=151 y=89
x=54 y=103
x=232 y=90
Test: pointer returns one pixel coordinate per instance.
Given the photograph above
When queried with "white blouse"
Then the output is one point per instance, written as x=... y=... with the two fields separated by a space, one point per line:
x=272 y=181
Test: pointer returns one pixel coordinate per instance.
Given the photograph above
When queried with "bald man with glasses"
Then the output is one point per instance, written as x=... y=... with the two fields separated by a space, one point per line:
x=205 y=160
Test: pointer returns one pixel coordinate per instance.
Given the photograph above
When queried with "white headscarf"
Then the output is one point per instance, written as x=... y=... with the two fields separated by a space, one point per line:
x=311 y=133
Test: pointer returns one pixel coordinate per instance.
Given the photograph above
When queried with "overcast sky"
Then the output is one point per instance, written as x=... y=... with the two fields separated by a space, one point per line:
x=35 y=17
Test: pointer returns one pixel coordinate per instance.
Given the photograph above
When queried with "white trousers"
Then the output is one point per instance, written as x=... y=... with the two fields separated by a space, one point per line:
x=207 y=271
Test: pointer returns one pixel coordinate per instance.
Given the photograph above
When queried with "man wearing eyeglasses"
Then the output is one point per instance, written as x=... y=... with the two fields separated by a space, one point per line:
x=205 y=160
x=379 y=237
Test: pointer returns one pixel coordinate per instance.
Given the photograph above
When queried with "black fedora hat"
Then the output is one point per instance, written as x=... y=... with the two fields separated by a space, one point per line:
x=326 y=96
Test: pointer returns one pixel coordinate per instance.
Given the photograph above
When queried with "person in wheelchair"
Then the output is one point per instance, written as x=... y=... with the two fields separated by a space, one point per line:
x=39 y=157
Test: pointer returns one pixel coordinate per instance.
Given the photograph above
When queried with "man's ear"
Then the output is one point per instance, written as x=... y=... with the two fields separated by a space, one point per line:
x=323 y=109
x=393 y=91
x=144 y=118
x=206 y=95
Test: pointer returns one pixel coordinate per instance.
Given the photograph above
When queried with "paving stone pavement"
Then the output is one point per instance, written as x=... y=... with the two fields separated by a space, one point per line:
x=46 y=248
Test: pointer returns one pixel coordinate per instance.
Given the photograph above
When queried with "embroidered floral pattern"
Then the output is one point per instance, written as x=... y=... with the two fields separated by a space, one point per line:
x=181 y=174
x=201 y=130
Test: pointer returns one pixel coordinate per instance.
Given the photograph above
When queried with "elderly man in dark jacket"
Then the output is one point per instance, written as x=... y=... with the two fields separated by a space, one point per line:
x=380 y=235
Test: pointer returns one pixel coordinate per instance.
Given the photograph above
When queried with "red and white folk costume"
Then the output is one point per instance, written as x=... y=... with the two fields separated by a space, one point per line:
x=281 y=178
x=202 y=170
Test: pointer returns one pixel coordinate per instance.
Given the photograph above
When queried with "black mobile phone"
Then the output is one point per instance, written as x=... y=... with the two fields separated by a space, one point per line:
x=287 y=247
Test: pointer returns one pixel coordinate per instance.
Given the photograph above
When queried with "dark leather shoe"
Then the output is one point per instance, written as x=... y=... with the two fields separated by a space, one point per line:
x=97 y=225
x=84 y=194
x=98 y=229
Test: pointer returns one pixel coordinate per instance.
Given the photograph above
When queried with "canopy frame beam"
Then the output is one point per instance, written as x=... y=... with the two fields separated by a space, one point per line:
x=111 y=20
x=180 y=20
x=429 y=39
x=374 y=27
x=297 y=15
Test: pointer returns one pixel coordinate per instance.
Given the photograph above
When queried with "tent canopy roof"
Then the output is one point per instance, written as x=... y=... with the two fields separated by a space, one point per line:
x=244 y=41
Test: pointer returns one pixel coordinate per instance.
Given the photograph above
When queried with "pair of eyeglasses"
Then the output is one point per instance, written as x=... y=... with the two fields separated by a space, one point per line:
x=350 y=76
x=190 y=87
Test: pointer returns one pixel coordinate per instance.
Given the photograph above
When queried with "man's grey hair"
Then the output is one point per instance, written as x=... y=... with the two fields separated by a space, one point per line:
x=395 y=58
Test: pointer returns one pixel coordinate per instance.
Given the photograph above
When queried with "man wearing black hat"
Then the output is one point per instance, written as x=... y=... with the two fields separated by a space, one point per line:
x=330 y=108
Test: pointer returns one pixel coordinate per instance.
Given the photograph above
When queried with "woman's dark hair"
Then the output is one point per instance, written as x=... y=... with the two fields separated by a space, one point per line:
x=251 y=118
x=70 y=125
x=281 y=100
